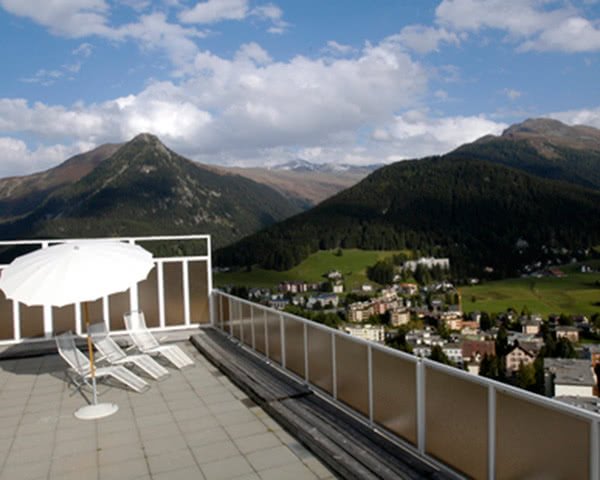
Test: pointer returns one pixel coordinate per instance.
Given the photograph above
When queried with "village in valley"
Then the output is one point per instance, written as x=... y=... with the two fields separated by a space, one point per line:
x=421 y=312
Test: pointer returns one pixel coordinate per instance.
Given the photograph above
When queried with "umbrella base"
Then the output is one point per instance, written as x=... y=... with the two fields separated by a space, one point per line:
x=94 y=412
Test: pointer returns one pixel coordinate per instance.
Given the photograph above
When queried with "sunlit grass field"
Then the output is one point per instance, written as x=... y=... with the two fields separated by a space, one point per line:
x=352 y=263
x=576 y=293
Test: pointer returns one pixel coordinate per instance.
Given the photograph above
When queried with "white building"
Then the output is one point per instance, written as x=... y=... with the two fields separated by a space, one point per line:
x=427 y=262
x=373 y=333
x=569 y=377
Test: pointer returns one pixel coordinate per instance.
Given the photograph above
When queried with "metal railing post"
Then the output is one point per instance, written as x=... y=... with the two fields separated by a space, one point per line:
x=185 y=274
x=370 y=381
x=491 y=432
x=242 y=321
x=160 y=278
x=230 y=310
x=305 y=329
x=333 y=366
x=421 y=431
x=209 y=280
x=266 y=335
x=252 y=331
x=283 y=355
x=595 y=449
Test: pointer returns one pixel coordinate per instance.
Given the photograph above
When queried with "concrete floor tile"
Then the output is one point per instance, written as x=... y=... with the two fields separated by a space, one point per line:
x=187 y=473
x=161 y=445
x=228 y=468
x=215 y=451
x=107 y=456
x=79 y=445
x=171 y=461
x=124 y=470
x=295 y=471
x=253 y=443
x=271 y=457
x=205 y=437
x=246 y=429
x=28 y=471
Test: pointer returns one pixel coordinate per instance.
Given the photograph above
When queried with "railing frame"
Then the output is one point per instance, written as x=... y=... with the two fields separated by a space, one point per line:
x=48 y=320
x=421 y=364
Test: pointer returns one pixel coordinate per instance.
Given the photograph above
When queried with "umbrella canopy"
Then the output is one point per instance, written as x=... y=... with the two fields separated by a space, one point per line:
x=73 y=272
x=79 y=271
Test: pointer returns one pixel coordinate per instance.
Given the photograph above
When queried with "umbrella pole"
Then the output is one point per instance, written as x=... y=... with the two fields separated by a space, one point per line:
x=91 y=351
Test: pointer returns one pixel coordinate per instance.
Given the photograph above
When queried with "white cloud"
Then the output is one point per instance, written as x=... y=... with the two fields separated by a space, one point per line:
x=17 y=159
x=415 y=134
x=83 y=50
x=44 y=77
x=584 y=116
x=243 y=108
x=335 y=48
x=154 y=31
x=532 y=24
x=272 y=13
x=575 y=34
x=253 y=52
x=213 y=11
x=71 y=18
x=424 y=39
x=511 y=93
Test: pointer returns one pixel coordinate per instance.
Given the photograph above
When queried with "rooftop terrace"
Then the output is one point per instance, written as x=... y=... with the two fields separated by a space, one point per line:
x=195 y=424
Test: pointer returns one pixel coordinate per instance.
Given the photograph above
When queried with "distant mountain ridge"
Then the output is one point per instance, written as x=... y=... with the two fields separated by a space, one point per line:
x=19 y=195
x=300 y=165
x=543 y=147
x=305 y=183
x=144 y=188
x=473 y=204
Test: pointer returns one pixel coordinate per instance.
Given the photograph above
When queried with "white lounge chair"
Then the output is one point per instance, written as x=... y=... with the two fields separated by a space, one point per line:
x=80 y=364
x=114 y=354
x=146 y=343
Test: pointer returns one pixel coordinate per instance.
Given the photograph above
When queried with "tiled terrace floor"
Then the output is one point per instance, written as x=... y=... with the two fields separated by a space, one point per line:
x=193 y=425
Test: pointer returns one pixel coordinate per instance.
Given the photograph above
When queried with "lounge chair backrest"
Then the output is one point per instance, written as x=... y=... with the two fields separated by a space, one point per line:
x=106 y=345
x=136 y=326
x=69 y=352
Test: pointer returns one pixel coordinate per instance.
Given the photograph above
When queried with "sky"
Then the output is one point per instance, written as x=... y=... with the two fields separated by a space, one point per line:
x=253 y=82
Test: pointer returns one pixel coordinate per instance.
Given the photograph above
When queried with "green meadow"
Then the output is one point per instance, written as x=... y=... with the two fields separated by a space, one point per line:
x=575 y=293
x=352 y=263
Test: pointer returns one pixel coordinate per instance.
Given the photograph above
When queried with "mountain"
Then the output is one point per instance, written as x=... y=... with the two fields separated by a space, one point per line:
x=20 y=195
x=304 y=183
x=144 y=188
x=543 y=147
x=472 y=210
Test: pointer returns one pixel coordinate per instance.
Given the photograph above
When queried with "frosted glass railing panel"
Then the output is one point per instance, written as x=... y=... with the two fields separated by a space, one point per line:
x=294 y=345
x=319 y=358
x=246 y=323
x=148 y=298
x=236 y=314
x=456 y=422
x=395 y=394
x=258 y=319
x=274 y=336
x=533 y=441
x=352 y=373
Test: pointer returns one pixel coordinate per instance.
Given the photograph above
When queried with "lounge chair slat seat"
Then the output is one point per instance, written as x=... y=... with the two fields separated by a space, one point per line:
x=80 y=364
x=115 y=355
x=147 y=343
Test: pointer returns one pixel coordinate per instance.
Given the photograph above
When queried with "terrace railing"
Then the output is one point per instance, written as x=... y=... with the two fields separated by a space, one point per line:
x=174 y=296
x=475 y=426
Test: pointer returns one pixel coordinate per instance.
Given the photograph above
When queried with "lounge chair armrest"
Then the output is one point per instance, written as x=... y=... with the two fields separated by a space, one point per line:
x=162 y=339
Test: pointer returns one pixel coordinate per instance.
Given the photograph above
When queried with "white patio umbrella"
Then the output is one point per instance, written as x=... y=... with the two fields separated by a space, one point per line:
x=79 y=271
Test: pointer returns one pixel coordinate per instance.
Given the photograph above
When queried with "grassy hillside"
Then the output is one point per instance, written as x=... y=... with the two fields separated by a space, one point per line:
x=352 y=263
x=469 y=210
x=576 y=293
